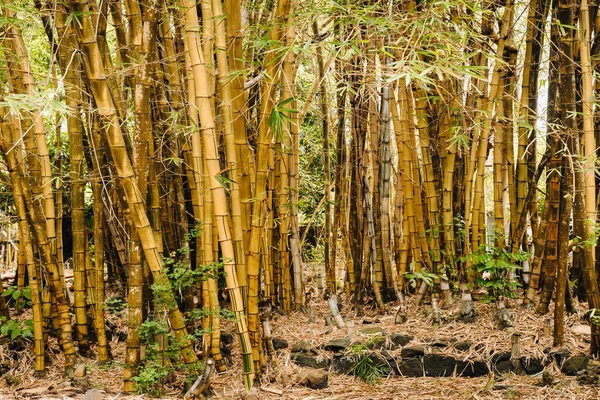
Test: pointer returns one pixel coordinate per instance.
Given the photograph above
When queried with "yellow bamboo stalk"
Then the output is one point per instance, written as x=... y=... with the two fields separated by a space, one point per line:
x=207 y=127
x=99 y=87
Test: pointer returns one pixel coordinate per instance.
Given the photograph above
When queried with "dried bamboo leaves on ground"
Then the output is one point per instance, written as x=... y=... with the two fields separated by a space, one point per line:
x=452 y=338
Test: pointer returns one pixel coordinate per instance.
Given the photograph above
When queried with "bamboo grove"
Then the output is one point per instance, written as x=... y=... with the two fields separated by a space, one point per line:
x=166 y=135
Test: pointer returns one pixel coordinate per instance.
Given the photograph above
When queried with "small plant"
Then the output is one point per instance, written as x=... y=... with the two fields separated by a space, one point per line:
x=424 y=275
x=22 y=298
x=114 y=305
x=366 y=367
x=150 y=378
x=14 y=329
x=494 y=267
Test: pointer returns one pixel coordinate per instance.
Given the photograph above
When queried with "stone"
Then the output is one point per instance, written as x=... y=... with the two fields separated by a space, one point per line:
x=440 y=343
x=337 y=344
x=411 y=367
x=501 y=356
x=379 y=358
x=302 y=346
x=279 y=344
x=343 y=364
x=584 y=330
x=463 y=346
x=559 y=356
x=471 y=368
x=438 y=365
x=305 y=360
x=226 y=338
x=575 y=364
x=93 y=394
x=399 y=339
x=315 y=379
x=377 y=342
x=502 y=367
x=375 y=330
x=412 y=351
x=589 y=376
x=532 y=365
x=479 y=347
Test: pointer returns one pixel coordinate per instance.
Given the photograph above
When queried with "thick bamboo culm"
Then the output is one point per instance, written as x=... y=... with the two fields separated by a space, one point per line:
x=95 y=74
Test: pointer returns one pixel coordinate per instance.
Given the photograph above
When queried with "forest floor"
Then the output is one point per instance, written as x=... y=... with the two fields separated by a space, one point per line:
x=281 y=381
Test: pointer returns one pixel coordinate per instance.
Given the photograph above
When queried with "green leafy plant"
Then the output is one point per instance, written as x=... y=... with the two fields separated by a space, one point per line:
x=424 y=275
x=370 y=370
x=114 y=304
x=21 y=298
x=14 y=329
x=367 y=368
x=150 y=378
x=494 y=267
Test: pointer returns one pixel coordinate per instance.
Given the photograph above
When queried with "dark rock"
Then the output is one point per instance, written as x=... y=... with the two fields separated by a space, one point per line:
x=399 y=339
x=376 y=342
x=315 y=379
x=479 y=347
x=412 y=351
x=343 y=364
x=590 y=376
x=411 y=367
x=279 y=344
x=226 y=351
x=559 y=356
x=370 y=321
x=440 y=343
x=337 y=344
x=471 y=368
x=304 y=347
x=502 y=356
x=438 y=365
x=502 y=367
x=226 y=338
x=378 y=358
x=575 y=364
x=501 y=362
x=532 y=365
x=304 y=360
x=463 y=346
x=387 y=355
x=376 y=330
